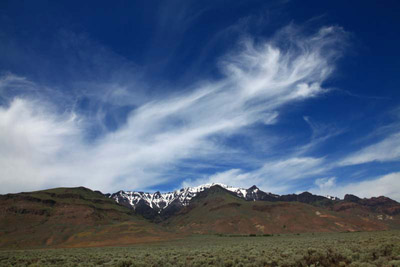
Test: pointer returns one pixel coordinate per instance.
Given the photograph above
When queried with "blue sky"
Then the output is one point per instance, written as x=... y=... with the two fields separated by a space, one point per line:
x=156 y=95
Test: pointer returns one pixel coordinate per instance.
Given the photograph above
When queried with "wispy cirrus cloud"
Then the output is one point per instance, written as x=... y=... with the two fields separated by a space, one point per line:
x=387 y=149
x=43 y=147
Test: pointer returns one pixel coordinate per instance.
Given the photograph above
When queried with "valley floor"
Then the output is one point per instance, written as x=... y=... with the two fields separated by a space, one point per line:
x=319 y=249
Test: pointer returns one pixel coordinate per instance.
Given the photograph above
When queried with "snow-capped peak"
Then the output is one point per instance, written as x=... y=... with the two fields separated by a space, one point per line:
x=182 y=197
x=332 y=197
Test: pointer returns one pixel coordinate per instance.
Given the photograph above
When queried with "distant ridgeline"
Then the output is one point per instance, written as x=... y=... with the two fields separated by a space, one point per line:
x=162 y=205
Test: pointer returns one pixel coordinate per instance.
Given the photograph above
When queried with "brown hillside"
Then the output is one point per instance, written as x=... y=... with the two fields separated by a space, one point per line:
x=70 y=217
x=219 y=211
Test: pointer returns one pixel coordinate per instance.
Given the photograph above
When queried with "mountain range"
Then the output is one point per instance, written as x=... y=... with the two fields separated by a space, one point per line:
x=80 y=217
x=151 y=205
x=162 y=205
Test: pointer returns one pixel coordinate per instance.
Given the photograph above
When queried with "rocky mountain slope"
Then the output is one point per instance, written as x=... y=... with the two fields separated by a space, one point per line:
x=162 y=205
x=218 y=210
x=151 y=204
x=159 y=207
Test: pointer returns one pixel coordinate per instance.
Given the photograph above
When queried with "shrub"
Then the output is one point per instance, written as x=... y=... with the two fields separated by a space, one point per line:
x=125 y=263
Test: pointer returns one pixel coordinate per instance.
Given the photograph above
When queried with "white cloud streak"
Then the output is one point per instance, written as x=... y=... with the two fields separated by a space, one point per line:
x=386 y=150
x=40 y=149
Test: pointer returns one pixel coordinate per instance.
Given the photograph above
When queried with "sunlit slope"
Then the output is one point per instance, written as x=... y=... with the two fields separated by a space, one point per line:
x=70 y=217
x=219 y=211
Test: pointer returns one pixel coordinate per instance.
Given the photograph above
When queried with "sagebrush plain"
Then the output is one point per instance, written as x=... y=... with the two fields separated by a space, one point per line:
x=380 y=248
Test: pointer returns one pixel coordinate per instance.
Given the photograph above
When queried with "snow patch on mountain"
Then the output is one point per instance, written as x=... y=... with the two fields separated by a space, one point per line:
x=160 y=201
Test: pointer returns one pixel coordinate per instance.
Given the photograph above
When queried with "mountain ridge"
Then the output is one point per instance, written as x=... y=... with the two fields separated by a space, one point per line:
x=160 y=201
x=159 y=206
